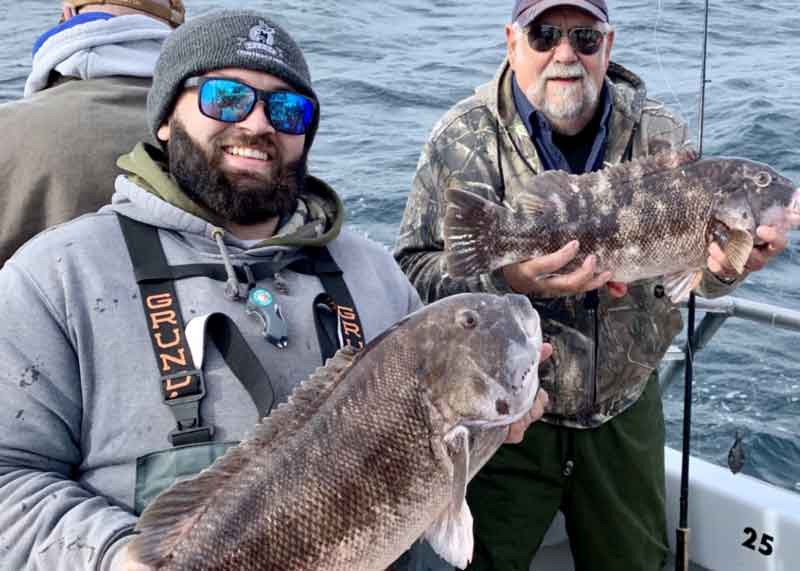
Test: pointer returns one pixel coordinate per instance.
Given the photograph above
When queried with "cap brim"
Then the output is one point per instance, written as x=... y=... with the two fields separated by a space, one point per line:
x=535 y=11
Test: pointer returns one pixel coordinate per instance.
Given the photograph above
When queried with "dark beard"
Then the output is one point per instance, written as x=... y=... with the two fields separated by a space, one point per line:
x=237 y=198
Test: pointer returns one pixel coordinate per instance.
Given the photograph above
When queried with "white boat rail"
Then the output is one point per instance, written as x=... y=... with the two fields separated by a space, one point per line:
x=717 y=311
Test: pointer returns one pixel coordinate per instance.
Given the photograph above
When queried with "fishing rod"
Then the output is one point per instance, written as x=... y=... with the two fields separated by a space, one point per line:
x=683 y=531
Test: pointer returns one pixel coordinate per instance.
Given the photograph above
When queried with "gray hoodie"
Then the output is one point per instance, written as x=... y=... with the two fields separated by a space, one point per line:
x=81 y=392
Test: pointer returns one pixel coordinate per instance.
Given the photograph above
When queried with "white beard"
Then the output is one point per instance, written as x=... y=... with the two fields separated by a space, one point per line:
x=567 y=107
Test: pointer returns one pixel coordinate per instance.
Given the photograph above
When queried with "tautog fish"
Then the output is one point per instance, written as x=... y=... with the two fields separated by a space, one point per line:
x=649 y=217
x=371 y=452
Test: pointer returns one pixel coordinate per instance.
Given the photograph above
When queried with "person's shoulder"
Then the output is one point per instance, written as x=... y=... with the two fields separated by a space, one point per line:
x=372 y=266
x=98 y=88
x=658 y=111
x=352 y=242
x=80 y=104
x=464 y=115
x=357 y=252
x=655 y=118
x=84 y=235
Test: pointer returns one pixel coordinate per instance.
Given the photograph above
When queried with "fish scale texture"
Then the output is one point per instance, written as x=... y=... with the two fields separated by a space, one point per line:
x=358 y=476
x=638 y=224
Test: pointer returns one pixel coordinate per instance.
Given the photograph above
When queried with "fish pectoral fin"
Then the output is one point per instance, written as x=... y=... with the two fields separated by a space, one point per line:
x=738 y=248
x=457 y=441
x=451 y=535
x=170 y=519
x=679 y=285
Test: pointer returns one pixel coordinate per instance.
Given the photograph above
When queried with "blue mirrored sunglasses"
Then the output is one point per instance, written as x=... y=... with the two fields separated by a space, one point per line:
x=231 y=101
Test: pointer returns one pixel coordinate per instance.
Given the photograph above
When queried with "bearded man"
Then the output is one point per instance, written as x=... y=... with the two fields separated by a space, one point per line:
x=558 y=102
x=106 y=401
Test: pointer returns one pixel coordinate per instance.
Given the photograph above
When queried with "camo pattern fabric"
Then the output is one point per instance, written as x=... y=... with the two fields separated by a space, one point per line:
x=482 y=145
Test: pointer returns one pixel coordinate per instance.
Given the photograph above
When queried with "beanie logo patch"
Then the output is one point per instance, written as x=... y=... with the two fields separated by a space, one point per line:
x=260 y=42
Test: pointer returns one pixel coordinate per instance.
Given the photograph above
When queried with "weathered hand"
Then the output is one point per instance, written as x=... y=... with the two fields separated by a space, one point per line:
x=773 y=242
x=517 y=430
x=617 y=289
x=535 y=276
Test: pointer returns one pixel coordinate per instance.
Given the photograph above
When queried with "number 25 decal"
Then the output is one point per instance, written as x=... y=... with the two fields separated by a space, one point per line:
x=765 y=548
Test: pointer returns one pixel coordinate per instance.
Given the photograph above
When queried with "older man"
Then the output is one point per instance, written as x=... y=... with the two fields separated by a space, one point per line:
x=83 y=107
x=558 y=102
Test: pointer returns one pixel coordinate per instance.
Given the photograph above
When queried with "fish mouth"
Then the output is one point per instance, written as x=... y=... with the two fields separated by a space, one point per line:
x=793 y=212
x=526 y=315
x=528 y=405
x=505 y=420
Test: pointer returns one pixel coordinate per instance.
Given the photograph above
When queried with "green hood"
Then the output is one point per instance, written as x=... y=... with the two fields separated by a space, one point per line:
x=317 y=220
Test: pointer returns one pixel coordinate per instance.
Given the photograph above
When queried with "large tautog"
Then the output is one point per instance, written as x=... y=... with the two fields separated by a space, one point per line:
x=370 y=453
x=650 y=217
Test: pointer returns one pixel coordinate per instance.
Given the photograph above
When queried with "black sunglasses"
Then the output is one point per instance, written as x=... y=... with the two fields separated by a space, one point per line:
x=586 y=41
x=232 y=101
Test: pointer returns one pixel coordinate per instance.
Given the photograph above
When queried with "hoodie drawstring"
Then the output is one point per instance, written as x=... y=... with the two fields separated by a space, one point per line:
x=233 y=289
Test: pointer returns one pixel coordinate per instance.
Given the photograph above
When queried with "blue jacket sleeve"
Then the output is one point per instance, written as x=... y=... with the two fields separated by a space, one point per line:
x=48 y=521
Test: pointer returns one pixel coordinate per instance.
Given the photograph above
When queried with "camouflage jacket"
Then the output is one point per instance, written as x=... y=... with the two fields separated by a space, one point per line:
x=604 y=353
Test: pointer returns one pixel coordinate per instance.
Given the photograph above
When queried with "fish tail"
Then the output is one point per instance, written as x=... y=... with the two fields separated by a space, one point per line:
x=470 y=223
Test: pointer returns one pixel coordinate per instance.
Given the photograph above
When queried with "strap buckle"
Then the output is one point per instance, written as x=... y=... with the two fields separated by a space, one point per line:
x=183 y=387
x=182 y=392
x=184 y=436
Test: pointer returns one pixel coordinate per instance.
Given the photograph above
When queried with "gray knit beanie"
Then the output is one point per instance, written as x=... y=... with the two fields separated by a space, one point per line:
x=223 y=39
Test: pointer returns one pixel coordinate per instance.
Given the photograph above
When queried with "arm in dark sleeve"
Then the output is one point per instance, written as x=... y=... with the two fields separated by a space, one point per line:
x=712 y=286
x=48 y=521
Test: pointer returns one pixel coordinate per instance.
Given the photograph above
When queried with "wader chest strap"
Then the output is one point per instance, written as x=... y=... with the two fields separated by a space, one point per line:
x=182 y=385
x=182 y=382
x=238 y=355
x=335 y=310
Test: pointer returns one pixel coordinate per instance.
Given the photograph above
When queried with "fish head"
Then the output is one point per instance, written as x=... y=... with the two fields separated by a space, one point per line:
x=481 y=356
x=749 y=195
x=758 y=195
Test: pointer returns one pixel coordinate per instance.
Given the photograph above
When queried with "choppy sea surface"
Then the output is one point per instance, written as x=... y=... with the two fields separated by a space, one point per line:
x=385 y=71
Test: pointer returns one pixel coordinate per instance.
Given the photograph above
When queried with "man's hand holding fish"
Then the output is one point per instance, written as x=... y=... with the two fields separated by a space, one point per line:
x=538 y=276
x=774 y=241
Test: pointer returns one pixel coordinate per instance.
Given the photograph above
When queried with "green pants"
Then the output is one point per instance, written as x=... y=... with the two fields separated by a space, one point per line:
x=608 y=482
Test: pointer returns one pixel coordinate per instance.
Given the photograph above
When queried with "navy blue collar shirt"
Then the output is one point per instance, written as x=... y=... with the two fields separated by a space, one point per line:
x=577 y=154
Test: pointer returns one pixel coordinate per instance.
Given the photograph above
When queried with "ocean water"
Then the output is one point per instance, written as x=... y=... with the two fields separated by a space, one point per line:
x=386 y=71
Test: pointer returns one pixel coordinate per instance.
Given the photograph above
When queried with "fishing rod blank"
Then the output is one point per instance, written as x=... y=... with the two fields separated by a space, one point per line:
x=683 y=532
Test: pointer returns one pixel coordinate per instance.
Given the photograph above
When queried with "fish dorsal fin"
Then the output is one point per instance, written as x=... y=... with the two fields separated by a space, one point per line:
x=530 y=204
x=173 y=514
x=305 y=399
x=651 y=164
x=680 y=284
x=450 y=535
x=615 y=175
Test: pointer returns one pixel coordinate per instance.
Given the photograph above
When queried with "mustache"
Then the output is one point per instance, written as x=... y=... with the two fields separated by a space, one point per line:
x=564 y=71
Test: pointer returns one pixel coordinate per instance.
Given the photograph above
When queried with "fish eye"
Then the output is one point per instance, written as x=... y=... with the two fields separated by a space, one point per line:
x=467 y=319
x=763 y=179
